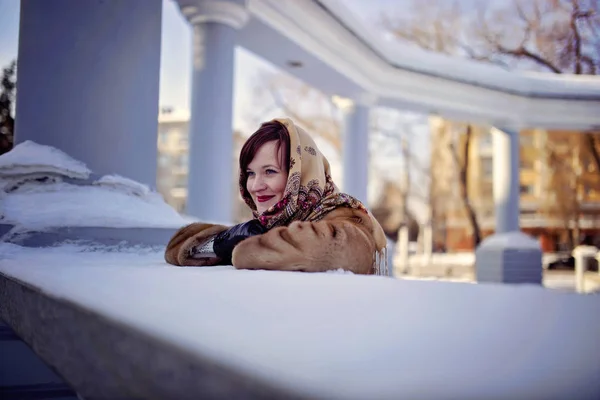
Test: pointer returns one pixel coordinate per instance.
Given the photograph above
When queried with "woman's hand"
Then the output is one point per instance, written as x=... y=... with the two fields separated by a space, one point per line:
x=225 y=242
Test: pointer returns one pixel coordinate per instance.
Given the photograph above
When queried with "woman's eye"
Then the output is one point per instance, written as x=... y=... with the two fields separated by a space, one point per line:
x=271 y=172
x=249 y=173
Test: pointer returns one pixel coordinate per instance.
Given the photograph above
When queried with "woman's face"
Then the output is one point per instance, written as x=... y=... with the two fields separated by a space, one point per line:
x=266 y=177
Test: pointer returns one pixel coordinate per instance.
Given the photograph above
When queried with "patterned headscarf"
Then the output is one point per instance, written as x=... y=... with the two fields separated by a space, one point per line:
x=310 y=193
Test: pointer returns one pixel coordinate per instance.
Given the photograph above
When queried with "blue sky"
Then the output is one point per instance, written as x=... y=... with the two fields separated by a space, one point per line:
x=9 y=30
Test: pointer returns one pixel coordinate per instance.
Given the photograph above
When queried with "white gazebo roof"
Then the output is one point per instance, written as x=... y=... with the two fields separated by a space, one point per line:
x=340 y=55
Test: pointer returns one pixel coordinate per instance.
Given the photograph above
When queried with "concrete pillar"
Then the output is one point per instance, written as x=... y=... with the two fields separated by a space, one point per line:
x=356 y=147
x=508 y=256
x=582 y=255
x=427 y=243
x=215 y=24
x=391 y=251
x=506 y=179
x=88 y=81
x=427 y=232
x=403 y=242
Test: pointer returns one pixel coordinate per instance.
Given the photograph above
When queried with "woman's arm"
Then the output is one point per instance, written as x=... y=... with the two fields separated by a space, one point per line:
x=343 y=239
x=208 y=244
x=179 y=248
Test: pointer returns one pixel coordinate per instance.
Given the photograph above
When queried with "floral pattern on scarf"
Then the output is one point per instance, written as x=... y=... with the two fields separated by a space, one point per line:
x=310 y=193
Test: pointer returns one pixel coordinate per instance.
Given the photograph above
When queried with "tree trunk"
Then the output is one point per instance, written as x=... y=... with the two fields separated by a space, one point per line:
x=464 y=188
x=591 y=141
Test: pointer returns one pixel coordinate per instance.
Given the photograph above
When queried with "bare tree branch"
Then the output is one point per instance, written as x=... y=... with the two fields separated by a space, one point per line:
x=576 y=36
x=522 y=52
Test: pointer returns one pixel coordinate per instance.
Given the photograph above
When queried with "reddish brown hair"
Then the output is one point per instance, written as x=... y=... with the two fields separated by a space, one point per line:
x=268 y=132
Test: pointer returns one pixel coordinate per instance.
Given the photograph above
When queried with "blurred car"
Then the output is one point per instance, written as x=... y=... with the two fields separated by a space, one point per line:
x=567 y=262
x=563 y=261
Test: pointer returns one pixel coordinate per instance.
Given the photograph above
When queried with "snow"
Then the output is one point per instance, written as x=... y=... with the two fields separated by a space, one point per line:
x=445 y=259
x=35 y=196
x=30 y=157
x=122 y=183
x=585 y=251
x=337 y=335
x=63 y=204
x=511 y=240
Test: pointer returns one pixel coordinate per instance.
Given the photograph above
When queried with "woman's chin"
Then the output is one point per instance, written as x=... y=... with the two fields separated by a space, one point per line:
x=261 y=210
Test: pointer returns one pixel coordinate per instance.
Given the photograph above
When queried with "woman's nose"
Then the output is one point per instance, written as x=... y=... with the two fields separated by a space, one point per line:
x=258 y=184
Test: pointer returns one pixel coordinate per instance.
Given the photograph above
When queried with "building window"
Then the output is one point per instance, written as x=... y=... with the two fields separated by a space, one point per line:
x=487 y=167
x=589 y=165
x=181 y=181
x=183 y=161
x=527 y=189
x=163 y=160
x=588 y=189
x=183 y=141
x=526 y=163
x=162 y=137
x=526 y=140
x=485 y=141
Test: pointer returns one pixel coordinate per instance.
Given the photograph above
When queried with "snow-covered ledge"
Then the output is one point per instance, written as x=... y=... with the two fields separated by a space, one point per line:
x=121 y=323
x=47 y=197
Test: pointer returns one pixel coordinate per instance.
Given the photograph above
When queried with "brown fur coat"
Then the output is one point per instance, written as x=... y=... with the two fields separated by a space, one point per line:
x=345 y=238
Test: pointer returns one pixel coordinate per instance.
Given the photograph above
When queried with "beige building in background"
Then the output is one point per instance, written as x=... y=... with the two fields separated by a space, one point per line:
x=172 y=165
x=559 y=186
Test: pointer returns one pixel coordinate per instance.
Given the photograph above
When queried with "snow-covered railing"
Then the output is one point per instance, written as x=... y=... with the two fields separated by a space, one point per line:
x=119 y=322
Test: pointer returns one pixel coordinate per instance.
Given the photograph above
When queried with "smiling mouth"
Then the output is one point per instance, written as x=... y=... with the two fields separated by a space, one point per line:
x=262 y=199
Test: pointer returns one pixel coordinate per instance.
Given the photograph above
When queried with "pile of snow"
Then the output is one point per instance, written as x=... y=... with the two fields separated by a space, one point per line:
x=62 y=204
x=32 y=158
x=35 y=194
x=510 y=240
x=338 y=336
x=124 y=184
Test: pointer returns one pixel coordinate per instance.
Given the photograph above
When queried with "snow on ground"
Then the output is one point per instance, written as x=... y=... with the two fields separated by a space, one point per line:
x=338 y=335
x=34 y=195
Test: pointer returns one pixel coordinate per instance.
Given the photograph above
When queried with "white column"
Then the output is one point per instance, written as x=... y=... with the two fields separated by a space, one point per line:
x=508 y=256
x=506 y=179
x=356 y=147
x=427 y=243
x=403 y=242
x=582 y=254
x=88 y=82
x=215 y=24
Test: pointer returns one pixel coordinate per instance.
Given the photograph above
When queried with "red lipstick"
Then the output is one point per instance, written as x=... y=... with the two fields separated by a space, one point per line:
x=262 y=199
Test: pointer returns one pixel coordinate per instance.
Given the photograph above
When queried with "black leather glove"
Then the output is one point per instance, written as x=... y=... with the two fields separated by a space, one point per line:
x=225 y=241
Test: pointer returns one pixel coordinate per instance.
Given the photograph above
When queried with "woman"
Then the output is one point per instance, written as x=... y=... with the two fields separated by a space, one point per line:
x=302 y=222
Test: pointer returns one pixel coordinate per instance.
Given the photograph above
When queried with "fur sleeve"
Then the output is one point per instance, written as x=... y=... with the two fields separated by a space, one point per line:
x=178 y=248
x=311 y=247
